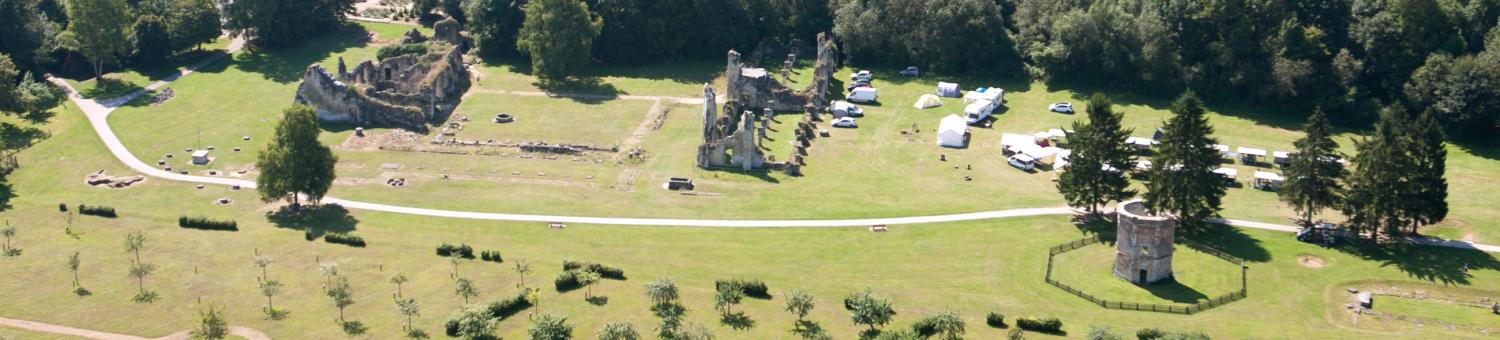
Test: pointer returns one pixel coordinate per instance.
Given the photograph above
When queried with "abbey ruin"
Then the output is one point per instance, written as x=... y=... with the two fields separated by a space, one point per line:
x=406 y=91
x=735 y=140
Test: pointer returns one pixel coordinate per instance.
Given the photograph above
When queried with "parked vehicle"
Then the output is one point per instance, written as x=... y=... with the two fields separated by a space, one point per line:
x=1061 y=107
x=910 y=71
x=857 y=84
x=1326 y=234
x=862 y=75
x=979 y=111
x=844 y=122
x=1022 y=161
x=862 y=95
x=845 y=109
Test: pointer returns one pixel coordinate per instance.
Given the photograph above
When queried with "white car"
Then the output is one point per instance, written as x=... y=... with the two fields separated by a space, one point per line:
x=844 y=122
x=1061 y=107
x=862 y=75
x=842 y=108
x=1022 y=161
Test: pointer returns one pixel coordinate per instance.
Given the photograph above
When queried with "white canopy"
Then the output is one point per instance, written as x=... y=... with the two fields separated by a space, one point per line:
x=1252 y=151
x=1281 y=155
x=927 y=101
x=1268 y=176
x=1009 y=140
x=1143 y=165
x=951 y=131
x=1140 y=141
x=1062 y=159
x=1057 y=132
x=1231 y=173
x=1042 y=135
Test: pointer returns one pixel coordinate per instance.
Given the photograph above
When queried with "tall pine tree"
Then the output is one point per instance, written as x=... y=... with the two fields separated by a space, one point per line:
x=1313 y=178
x=1183 y=183
x=295 y=162
x=1096 y=175
x=1427 y=202
x=1374 y=202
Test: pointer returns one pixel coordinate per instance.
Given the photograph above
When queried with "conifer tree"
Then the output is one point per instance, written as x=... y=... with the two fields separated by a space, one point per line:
x=1313 y=178
x=1096 y=173
x=1183 y=183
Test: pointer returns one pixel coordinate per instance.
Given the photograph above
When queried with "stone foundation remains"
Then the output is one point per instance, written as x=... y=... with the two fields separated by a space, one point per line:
x=754 y=88
x=1143 y=244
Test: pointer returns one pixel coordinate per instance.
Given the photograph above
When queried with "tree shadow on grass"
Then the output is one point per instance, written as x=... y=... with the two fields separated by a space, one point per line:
x=597 y=300
x=1430 y=263
x=586 y=89
x=1096 y=224
x=737 y=320
x=314 y=220
x=106 y=88
x=287 y=64
x=1228 y=239
x=6 y=193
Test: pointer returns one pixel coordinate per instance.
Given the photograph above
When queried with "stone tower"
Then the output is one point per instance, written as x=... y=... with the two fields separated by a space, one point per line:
x=1143 y=245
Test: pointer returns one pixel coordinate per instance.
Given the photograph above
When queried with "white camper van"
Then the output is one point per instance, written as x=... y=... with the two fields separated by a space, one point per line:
x=978 y=111
x=861 y=95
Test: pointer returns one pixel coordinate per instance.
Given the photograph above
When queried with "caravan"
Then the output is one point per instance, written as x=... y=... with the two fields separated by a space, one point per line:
x=979 y=111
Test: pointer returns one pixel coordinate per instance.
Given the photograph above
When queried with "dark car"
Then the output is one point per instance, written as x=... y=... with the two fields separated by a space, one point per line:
x=910 y=71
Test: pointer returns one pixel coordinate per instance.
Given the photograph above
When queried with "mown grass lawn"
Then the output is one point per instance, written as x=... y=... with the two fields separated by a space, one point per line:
x=889 y=166
x=970 y=268
x=1198 y=276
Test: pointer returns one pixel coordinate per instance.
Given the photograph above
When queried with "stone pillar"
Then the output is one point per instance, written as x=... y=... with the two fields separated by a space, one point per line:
x=1143 y=245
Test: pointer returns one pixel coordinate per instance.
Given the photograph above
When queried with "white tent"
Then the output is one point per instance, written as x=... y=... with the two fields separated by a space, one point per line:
x=951 y=131
x=1062 y=159
x=1009 y=141
x=927 y=101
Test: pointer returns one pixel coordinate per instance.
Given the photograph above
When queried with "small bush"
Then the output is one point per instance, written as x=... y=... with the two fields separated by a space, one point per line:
x=925 y=327
x=567 y=281
x=1155 y=333
x=995 y=319
x=1035 y=324
x=206 y=223
x=308 y=235
x=62 y=207
x=400 y=50
x=1150 y=334
x=344 y=239
x=462 y=249
x=96 y=210
x=492 y=256
x=502 y=309
x=752 y=288
x=603 y=270
x=451 y=328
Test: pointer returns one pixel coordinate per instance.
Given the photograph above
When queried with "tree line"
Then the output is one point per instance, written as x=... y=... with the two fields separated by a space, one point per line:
x=1396 y=185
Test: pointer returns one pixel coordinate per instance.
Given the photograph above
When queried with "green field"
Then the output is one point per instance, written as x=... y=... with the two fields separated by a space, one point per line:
x=1198 y=277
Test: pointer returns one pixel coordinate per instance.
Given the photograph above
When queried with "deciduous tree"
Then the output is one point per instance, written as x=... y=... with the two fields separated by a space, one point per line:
x=618 y=330
x=465 y=288
x=152 y=44
x=101 y=30
x=867 y=309
x=550 y=327
x=558 y=35
x=342 y=295
x=211 y=324
x=192 y=23
x=295 y=163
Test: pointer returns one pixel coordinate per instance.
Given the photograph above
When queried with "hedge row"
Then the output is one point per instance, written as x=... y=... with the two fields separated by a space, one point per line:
x=344 y=239
x=995 y=319
x=567 y=281
x=1154 y=334
x=96 y=210
x=603 y=270
x=502 y=309
x=1035 y=324
x=751 y=288
x=206 y=223
x=462 y=249
x=492 y=256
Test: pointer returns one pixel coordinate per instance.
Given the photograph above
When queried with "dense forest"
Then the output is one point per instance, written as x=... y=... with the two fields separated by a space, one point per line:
x=1351 y=58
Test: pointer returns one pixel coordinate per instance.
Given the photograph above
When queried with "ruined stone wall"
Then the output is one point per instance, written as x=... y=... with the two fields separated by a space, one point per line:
x=1143 y=242
x=405 y=91
x=756 y=88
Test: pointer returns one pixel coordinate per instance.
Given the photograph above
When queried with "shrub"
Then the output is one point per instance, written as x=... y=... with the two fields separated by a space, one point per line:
x=1149 y=334
x=308 y=235
x=925 y=327
x=492 y=256
x=344 y=239
x=567 y=281
x=1035 y=324
x=206 y=223
x=62 y=207
x=501 y=309
x=400 y=50
x=603 y=270
x=995 y=319
x=462 y=249
x=451 y=328
x=96 y=210
x=752 y=288
x=1154 y=334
